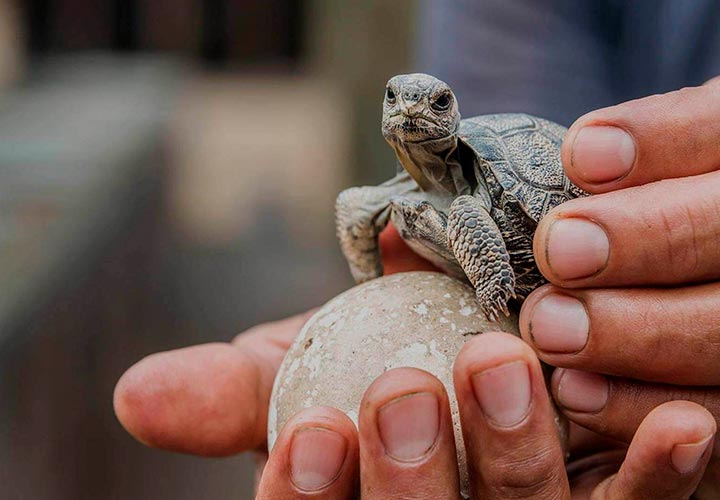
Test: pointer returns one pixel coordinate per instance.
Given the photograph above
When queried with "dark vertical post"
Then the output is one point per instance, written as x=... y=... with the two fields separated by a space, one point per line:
x=125 y=20
x=38 y=18
x=295 y=30
x=214 y=31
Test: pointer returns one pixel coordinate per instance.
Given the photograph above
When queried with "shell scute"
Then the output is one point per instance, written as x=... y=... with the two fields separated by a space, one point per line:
x=522 y=154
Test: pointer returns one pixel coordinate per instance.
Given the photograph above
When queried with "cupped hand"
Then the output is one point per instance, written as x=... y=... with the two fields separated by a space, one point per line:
x=634 y=298
x=212 y=399
x=632 y=314
x=405 y=447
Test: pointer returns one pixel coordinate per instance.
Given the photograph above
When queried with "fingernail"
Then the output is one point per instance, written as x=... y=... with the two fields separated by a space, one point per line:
x=316 y=457
x=582 y=391
x=503 y=393
x=602 y=153
x=576 y=248
x=559 y=323
x=409 y=425
x=686 y=457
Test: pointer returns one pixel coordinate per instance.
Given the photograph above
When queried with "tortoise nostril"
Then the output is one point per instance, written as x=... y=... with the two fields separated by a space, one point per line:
x=413 y=97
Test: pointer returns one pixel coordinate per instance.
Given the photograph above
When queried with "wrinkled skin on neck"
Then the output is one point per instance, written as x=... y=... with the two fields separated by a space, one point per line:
x=434 y=165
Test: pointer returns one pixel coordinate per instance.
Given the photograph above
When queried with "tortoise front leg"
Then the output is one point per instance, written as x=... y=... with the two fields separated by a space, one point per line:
x=361 y=213
x=423 y=222
x=478 y=246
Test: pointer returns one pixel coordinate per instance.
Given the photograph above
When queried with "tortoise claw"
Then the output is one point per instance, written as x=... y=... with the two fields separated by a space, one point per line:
x=493 y=310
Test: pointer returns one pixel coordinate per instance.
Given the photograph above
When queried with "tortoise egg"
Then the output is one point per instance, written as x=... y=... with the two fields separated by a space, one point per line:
x=416 y=319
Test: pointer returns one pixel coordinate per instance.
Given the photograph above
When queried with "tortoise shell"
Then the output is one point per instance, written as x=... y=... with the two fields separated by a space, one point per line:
x=519 y=159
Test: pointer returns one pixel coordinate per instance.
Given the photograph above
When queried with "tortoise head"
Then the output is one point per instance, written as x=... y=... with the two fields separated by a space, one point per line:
x=417 y=108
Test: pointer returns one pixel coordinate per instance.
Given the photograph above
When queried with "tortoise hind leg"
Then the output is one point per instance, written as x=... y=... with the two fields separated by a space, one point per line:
x=478 y=246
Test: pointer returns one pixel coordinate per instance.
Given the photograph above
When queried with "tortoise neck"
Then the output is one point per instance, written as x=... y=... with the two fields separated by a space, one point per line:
x=434 y=165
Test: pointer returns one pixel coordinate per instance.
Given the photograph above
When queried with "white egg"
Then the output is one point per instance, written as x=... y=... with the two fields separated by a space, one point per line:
x=417 y=319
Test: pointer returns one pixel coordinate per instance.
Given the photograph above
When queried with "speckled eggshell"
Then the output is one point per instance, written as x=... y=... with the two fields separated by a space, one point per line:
x=416 y=319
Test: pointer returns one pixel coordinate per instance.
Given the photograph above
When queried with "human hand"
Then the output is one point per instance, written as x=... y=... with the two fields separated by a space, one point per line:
x=635 y=270
x=405 y=447
x=212 y=399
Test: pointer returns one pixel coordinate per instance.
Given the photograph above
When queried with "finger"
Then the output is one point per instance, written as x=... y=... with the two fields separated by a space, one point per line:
x=645 y=140
x=511 y=438
x=407 y=447
x=315 y=456
x=210 y=399
x=586 y=472
x=397 y=256
x=616 y=331
x=614 y=406
x=667 y=456
x=628 y=238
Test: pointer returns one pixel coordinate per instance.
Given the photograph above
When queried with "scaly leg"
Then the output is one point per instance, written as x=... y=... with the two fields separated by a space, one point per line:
x=360 y=214
x=479 y=248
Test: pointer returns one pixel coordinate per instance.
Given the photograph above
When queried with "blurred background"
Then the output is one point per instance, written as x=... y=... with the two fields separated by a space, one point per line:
x=167 y=175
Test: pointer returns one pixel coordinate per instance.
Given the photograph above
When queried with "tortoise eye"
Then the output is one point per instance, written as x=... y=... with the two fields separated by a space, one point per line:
x=390 y=95
x=442 y=103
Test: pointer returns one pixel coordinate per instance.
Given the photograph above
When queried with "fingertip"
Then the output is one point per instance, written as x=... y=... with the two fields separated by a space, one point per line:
x=602 y=155
x=397 y=382
x=131 y=407
x=140 y=400
x=526 y=310
x=596 y=153
x=200 y=400
x=667 y=455
x=680 y=430
x=679 y=422
x=402 y=414
x=406 y=436
x=566 y=148
x=316 y=454
x=507 y=419
x=555 y=381
x=627 y=144
x=501 y=374
x=540 y=238
x=491 y=349
x=321 y=416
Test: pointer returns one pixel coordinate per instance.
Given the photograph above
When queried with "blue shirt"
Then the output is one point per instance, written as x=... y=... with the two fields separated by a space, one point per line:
x=562 y=58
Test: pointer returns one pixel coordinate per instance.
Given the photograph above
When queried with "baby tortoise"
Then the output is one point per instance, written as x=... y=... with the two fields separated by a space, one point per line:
x=467 y=196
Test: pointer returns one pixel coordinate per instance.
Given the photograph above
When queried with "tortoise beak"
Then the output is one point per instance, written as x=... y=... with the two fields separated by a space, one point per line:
x=410 y=109
x=411 y=101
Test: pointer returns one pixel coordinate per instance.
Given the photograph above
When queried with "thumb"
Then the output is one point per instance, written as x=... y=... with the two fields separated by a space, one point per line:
x=210 y=399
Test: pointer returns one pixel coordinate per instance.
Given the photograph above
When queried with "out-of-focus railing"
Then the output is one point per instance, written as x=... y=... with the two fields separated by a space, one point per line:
x=78 y=154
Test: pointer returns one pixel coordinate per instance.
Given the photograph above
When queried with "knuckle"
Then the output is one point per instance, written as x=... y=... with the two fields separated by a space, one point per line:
x=601 y=491
x=529 y=475
x=684 y=240
x=411 y=484
x=687 y=93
